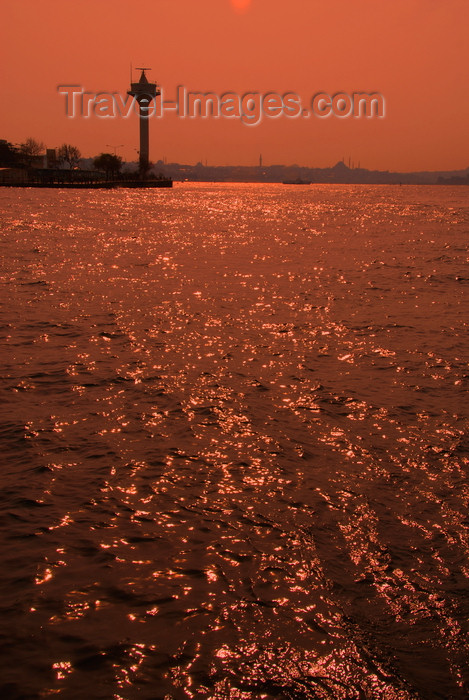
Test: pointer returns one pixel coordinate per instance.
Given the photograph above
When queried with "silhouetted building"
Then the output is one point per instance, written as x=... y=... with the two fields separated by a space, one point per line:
x=51 y=158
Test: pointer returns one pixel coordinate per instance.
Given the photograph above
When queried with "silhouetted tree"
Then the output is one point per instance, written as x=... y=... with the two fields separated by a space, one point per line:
x=68 y=154
x=111 y=164
x=31 y=148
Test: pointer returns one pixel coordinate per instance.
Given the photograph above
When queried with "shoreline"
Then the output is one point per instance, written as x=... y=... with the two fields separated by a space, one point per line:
x=136 y=184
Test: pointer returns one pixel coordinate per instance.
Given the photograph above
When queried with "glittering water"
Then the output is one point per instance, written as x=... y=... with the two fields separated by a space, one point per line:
x=234 y=459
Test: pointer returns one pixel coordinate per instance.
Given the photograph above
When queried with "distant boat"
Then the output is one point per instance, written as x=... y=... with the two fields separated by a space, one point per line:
x=298 y=181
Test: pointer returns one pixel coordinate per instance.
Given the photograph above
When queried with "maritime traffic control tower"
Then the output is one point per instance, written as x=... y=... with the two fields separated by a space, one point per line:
x=144 y=92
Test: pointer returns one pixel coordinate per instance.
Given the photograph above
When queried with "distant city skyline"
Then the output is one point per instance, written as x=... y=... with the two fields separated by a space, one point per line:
x=411 y=51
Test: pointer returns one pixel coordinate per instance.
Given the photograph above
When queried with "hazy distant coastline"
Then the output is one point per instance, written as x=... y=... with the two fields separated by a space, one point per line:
x=31 y=162
x=338 y=174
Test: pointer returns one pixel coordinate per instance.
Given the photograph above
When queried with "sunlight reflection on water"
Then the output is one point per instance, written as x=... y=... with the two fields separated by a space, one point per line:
x=235 y=448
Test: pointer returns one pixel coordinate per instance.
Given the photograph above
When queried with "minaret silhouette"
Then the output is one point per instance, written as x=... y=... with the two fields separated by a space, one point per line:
x=144 y=92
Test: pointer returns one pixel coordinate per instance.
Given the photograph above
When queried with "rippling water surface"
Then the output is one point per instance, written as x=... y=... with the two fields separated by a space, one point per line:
x=234 y=459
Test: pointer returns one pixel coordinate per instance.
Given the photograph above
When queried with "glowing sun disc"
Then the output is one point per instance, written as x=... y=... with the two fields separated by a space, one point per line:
x=240 y=5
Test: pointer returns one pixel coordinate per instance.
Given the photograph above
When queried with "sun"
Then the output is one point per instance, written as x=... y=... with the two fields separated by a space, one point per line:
x=241 y=5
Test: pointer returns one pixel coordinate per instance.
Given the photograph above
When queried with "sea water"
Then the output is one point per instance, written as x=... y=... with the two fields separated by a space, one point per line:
x=234 y=458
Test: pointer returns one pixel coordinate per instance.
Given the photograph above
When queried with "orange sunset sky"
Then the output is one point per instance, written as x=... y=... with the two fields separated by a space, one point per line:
x=414 y=52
